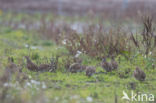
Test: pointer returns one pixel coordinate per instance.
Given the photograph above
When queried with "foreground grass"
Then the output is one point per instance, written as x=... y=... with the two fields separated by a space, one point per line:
x=64 y=87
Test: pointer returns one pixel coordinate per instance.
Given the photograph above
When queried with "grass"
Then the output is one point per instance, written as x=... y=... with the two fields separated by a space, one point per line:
x=61 y=86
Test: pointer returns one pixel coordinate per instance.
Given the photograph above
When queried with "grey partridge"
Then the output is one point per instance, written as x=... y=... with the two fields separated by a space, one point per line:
x=44 y=67
x=90 y=70
x=106 y=65
x=50 y=67
x=139 y=74
x=76 y=67
x=10 y=69
x=30 y=65
x=12 y=66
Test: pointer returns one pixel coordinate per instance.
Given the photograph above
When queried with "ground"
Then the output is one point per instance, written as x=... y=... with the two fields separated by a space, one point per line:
x=62 y=86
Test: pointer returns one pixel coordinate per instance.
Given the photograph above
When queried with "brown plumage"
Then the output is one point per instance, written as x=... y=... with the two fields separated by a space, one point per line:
x=44 y=67
x=30 y=65
x=90 y=70
x=114 y=64
x=139 y=74
x=12 y=66
x=106 y=65
x=76 y=67
x=10 y=69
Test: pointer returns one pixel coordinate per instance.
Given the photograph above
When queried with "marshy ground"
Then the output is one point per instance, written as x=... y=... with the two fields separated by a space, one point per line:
x=46 y=36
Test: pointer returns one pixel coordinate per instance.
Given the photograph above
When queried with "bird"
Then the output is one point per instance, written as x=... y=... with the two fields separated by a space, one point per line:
x=139 y=74
x=106 y=65
x=6 y=77
x=44 y=67
x=10 y=69
x=90 y=70
x=114 y=64
x=30 y=65
x=12 y=66
x=76 y=67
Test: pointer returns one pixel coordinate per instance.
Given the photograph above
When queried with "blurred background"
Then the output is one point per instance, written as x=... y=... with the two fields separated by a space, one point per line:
x=81 y=7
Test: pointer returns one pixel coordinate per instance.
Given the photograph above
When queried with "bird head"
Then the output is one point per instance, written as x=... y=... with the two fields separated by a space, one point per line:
x=27 y=58
x=137 y=69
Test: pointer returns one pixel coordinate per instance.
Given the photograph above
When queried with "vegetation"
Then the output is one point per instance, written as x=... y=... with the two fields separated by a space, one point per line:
x=43 y=37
